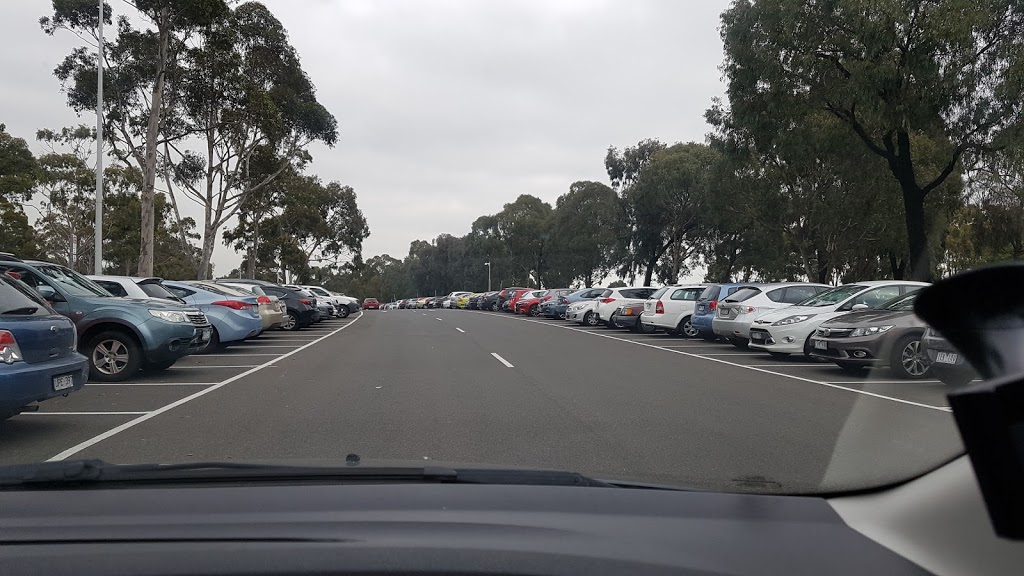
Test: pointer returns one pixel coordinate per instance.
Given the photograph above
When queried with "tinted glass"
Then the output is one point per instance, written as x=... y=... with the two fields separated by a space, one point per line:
x=743 y=294
x=18 y=298
x=72 y=282
x=113 y=287
x=711 y=292
x=794 y=294
x=606 y=293
x=181 y=292
x=155 y=290
x=687 y=294
x=660 y=292
x=901 y=303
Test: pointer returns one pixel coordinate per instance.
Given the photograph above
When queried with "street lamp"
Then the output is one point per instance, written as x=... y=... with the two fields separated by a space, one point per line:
x=488 y=264
x=98 y=240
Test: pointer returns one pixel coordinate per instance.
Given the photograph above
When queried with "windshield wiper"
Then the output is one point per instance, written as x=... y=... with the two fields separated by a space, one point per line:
x=86 y=472
x=23 y=311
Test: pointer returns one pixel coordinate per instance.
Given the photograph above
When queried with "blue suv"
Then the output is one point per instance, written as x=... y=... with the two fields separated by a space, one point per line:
x=119 y=336
x=704 y=312
x=38 y=359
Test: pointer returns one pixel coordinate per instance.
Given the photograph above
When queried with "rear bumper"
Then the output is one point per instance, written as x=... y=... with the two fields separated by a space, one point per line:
x=703 y=323
x=22 y=384
x=657 y=320
x=624 y=321
x=731 y=328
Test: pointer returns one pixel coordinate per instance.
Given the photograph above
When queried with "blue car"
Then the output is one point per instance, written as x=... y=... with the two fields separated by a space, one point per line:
x=234 y=314
x=38 y=359
x=704 y=312
x=557 y=310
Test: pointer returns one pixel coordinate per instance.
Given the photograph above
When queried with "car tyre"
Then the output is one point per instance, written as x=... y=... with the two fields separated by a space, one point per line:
x=291 y=322
x=494 y=306
x=344 y=312
x=953 y=377
x=739 y=343
x=533 y=311
x=851 y=368
x=591 y=319
x=114 y=356
x=212 y=346
x=686 y=329
x=907 y=359
x=645 y=328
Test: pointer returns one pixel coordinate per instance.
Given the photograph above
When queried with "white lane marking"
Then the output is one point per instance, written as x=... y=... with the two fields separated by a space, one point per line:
x=242 y=355
x=94 y=384
x=146 y=416
x=424 y=313
x=269 y=345
x=780 y=365
x=84 y=413
x=878 y=382
x=438 y=319
x=461 y=330
x=502 y=360
x=201 y=366
x=709 y=353
x=726 y=362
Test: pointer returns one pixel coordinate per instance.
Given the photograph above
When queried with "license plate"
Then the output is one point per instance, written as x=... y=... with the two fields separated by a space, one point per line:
x=820 y=344
x=946 y=357
x=756 y=336
x=63 y=382
x=205 y=334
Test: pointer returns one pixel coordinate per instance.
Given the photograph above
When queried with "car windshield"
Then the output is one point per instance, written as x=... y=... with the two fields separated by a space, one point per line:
x=715 y=161
x=72 y=282
x=830 y=297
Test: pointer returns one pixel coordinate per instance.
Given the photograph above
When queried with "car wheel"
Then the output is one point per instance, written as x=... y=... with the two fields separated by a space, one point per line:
x=212 y=346
x=738 y=342
x=344 y=312
x=158 y=366
x=591 y=319
x=113 y=356
x=561 y=315
x=534 y=311
x=807 y=347
x=646 y=328
x=687 y=329
x=851 y=368
x=778 y=354
x=291 y=322
x=494 y=307
x=907 y=359
x=953 y=377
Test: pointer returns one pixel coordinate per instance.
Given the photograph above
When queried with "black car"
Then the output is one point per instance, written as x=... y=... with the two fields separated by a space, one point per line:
x=506 y=294
x=489 y=301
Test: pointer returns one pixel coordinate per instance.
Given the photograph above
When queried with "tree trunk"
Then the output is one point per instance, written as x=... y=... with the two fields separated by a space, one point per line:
x=148 y=222
x=917 y=237
x=204 y=261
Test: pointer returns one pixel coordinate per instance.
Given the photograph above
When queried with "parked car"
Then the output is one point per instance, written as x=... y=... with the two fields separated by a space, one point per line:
x=119 y=336
x=489 y=301
x=612 y=298
x=788 y=330
x=554 y=304
x=343 y=305
x=450 y=300
x=628 y=316
x=583 y=312
x=947 y=363
x=38 y=356
x=234 y=315
x=371 y=304
x=671 y=309
x=514 y=299
x=704 y=311
x=889 y=335
x=463 y=301
x=560 y=309
x=300 y=310
x=505 y=296
x=272 y=309
x=135 y=287
x=737 y=311
x=529 y=303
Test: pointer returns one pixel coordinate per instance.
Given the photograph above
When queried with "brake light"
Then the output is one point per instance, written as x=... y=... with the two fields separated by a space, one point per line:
x=751 y=309
x=9 y=351
x=233 y=304
x=305 y=301
x=263 y=299
x=607 y=300
x=713 y=305
x=659 y=308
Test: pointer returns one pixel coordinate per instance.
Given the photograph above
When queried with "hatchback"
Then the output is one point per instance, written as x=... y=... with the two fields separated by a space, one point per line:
x=612 y=298
x=704 y=311
x=737 y=312
x=234 y=315
x=671 y=309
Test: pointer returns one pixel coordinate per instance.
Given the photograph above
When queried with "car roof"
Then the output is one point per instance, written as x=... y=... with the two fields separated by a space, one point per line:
x=886 y=282
x=135 y=279
x=773 y=285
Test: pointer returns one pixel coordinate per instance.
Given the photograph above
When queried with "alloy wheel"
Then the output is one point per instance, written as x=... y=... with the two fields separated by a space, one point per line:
x=688 y=330
x=110 y=357
x=913 y=361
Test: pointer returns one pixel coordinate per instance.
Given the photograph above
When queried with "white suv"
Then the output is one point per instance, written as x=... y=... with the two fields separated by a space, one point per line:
x=612 y=298
x=671 y=309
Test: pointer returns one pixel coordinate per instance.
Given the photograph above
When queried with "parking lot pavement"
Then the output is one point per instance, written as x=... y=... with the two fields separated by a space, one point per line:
x=64 y=422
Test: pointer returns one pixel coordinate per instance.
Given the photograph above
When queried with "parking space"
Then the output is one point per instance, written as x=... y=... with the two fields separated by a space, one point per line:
x=66 y=421
x=878 y=382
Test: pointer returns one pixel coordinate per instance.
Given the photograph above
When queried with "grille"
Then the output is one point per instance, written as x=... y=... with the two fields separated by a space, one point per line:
x=833 y=332
x=197 y=318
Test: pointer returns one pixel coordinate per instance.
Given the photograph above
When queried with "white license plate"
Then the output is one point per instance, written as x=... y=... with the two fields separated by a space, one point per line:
x=63 y=382
x=946 y=357
x=820 y=344
x=205 y=334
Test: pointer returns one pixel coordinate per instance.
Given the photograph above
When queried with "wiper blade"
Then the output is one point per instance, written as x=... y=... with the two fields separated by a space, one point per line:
x=85 y=472
x=23 y=311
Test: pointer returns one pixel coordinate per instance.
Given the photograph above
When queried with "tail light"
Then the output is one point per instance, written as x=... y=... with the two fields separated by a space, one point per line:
x=713 y=305
x=305 y=301
x=263 y=299
x=751 y=309
x=607 y=300
x=659 y=308
x=233 y=304
x=9 y=351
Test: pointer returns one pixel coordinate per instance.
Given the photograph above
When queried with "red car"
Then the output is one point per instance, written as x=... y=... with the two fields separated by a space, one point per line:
x=529 y=303
x=371 y=304
x=515 y=298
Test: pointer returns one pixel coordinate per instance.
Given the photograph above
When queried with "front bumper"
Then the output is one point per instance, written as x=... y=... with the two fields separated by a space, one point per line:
x=22 y=383
x=784 y=339
x=577 y=315
x=173 y=340
x=860 y=351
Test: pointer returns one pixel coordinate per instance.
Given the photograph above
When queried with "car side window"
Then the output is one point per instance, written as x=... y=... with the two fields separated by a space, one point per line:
x=689 y=294
x=796 y=294
x=777 y=295
x=909 y=288
x=112 y=287
x=876 y=296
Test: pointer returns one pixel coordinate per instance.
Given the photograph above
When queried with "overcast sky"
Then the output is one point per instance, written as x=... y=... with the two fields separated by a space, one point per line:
x=449 y=109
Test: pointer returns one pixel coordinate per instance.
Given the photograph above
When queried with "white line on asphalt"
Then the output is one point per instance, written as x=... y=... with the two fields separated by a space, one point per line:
x=242 y=355
x=763 y=370
x=94 y=384
x=703 y=353
x=146 y=416
x=885 y=382
x=269 y=346
x=438 y=319
x=85 y=413
x=461 y=330
x=201 y=366
x=781 y=365
x=502 y=360
x=424 y=313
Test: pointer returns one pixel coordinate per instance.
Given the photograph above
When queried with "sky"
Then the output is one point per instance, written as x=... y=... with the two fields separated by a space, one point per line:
x=449 y=109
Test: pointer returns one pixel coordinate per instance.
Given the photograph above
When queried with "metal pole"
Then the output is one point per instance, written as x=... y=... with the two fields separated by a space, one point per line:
x=488 y=264
x=98 y=256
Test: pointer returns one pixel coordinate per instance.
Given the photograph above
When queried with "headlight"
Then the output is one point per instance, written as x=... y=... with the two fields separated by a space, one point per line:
x=869 y=330
x=169 y=315
x=794 y=319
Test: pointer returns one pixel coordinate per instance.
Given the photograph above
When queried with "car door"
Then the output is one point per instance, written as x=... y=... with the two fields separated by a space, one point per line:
x=683 y=301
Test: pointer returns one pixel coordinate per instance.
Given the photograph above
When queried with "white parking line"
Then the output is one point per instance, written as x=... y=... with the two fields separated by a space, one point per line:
x=268 y=346
x=502 y=360
x=94 y=384
x=763 y=370
x=461 y=330
x=147 y=415
x=438 y=319
x=242 y=355
x=781 y=365
x=885 y=382
x=84 y=413
x=202 y=366
x=704 y=353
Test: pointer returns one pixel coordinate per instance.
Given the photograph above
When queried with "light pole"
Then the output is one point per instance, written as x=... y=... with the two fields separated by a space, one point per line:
x=98 y=249
x=488 y=264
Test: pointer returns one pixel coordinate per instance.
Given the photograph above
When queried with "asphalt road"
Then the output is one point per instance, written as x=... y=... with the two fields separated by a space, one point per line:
x=478 y=387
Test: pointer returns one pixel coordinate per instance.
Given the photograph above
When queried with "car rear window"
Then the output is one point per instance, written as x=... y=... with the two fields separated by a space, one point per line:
x=16 y=297
x=156 y=290
x=744 y=293
x=607 y=292
x=660 y=293
x=711 y=292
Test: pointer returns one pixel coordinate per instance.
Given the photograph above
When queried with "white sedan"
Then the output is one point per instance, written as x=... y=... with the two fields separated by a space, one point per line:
x=737 y=313
x=612 y=298
x=582 y=312
x=788 y=330
x=671 y=308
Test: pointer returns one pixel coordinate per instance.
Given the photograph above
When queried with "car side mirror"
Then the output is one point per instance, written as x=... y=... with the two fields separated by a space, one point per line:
x=860 y=306
x=49 y=294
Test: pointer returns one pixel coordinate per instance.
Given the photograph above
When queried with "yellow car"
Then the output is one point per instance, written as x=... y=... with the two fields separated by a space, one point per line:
x=463 y=300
